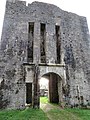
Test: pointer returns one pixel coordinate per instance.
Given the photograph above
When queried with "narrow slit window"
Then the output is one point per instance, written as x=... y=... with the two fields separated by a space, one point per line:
x=30 y=42
x=42 y=43
x=58 y=43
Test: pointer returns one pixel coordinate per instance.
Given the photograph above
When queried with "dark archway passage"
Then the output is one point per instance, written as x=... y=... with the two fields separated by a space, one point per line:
x=50 y=88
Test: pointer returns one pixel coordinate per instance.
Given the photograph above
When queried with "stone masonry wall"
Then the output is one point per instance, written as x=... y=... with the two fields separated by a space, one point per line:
x=75 y=49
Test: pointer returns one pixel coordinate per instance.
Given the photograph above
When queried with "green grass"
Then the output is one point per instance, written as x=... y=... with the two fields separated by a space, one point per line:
x=69 y=114
x=84 y=114
x=56 y=113
x=27 y=114
x=44 y=100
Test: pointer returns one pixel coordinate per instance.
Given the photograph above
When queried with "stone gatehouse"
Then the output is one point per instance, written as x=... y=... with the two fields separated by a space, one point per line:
x=41 y=40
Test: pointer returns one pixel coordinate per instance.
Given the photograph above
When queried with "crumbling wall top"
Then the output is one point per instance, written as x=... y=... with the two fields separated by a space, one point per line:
x=17 y=1
x=12 y=1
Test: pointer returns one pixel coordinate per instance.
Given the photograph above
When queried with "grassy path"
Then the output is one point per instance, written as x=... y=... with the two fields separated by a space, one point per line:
x=54 y=112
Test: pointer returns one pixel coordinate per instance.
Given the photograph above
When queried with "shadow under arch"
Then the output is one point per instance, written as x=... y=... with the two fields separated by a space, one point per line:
x=54 y=87
x=58 y=73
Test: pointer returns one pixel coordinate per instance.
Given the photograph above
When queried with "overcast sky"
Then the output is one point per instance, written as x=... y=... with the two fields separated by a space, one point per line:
x=80 y=7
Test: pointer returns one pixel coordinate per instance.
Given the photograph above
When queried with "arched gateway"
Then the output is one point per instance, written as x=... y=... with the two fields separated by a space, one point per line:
x=57 y=79
x=53 y=88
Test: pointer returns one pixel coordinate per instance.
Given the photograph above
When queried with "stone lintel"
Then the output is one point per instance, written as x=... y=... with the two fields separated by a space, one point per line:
x=46 y=64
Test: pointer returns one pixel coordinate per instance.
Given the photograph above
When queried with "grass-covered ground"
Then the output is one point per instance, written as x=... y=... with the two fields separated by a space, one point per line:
x=48 y=112
x=57 y=113
x=44 y=100
x=53 y=114
x=83 y=114
x=68 y=114
x=27 y=114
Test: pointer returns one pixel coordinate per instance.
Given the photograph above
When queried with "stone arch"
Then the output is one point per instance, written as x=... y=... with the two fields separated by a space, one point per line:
x=55 y=87
x=41 y=75
x=60 y=71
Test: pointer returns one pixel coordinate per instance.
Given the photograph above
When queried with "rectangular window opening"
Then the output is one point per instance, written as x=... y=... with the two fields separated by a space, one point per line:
x=58 y=44
x=30 y=42
x=28 y=93
x=42 y=43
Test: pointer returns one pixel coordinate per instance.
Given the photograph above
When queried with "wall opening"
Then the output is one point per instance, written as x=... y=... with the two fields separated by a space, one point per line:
x=30 y=42
x=28 y=93
x=49 y=87
x=42 y=43
x=44 y=87
x=58 y=43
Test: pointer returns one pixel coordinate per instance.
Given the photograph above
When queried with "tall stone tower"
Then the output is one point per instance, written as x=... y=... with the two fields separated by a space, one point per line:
x=41 y=40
